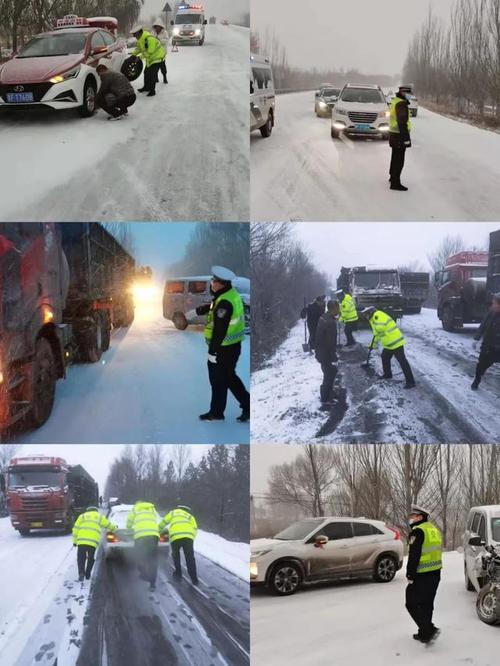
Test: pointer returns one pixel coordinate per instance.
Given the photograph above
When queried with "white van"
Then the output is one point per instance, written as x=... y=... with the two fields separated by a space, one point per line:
x=189 y=25
x=183 y=295
x=262 y=95
x=483 y=521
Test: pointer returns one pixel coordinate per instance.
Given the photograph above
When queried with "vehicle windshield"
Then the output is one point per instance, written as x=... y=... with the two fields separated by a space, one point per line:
x=187 y=18
x=363 y=96
x=330 y=92
x=54 y=44
x=299 y=530
x=30 y=478
x=377 y=280
x=495 y=529
x=479 y=272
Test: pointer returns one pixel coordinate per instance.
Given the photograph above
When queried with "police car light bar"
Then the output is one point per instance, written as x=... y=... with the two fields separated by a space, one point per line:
x=71 y=20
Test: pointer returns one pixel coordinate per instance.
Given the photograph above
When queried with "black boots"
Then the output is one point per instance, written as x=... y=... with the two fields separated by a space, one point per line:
x=475 y=384
x=398 y=187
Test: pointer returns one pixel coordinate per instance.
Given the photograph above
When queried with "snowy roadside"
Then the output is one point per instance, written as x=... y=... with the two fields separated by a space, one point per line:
x=231 y=556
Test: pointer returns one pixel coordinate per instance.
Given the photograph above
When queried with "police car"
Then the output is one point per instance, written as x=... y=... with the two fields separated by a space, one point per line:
x=189 y=25
x=57 y=69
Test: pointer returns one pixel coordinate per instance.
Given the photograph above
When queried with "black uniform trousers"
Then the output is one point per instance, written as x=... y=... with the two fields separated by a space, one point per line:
x=487 y=357
x=146 y=551
x=397 y=157
x=349 y=327
x=116 y=106
x=187 y=546
x=400 y=355
x=85 y=558
x=151 y=77
x=420 y=597
x=163 y=70
x=223 y=378
x=329 y=373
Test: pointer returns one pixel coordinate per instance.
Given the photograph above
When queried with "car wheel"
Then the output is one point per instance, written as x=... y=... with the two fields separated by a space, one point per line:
x=92 y=340
x=488 y=605
x=180 y=321
x=335 y=133
x=285 y=578
x=448 y=319
x=468 y=585
x=385 y=569
x=24 y=532
x=132 y=68
x=44 y=383
x=267 y=129
x=89 y=96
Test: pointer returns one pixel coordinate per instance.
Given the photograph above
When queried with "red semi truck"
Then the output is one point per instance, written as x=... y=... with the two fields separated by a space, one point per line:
x=63 y=288
x=44 y=492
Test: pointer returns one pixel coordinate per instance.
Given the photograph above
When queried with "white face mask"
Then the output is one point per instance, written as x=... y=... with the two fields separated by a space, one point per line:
x=412 y=521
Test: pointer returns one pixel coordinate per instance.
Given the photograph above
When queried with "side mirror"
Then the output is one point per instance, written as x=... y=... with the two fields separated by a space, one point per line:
x=320 y=540
x=476 y=541
x=99 y=49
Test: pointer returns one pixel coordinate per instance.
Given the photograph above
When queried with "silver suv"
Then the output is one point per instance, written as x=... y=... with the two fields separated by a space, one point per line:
x=319 y=549
x=483 y=521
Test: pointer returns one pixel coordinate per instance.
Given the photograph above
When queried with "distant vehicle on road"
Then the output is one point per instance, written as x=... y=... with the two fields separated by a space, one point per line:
x=329 y=548
x=57 y=69
x=262 y=96
x=415 y=291
x=373 y=286
x=361 y=110
x=189 y=25
x=118 y=544
x=183 y=295
x=324 y=101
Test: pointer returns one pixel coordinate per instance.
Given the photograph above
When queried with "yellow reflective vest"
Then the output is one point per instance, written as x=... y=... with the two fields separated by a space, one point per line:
x=385 y=331
x=150 y=49
x=181 y=525
x=236 y=329
x=431 y=558
x=143 y=519
x=88 y=526
x=393 y=117
x=348 y=312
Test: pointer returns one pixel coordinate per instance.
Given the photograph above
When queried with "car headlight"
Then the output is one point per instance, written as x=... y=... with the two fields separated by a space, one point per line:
x=197 y=31
x=176 y=31
x=254 y=570
x=323 y=104
x=72 y=74
x=384 y=114
x=341 y=112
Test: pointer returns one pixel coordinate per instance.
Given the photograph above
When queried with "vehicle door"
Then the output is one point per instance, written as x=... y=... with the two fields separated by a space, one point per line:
x=197 y=294
x=471 y=552
x=173 y=300
x=98 y=49
x=366 y=545
x=332 y=559
x=116 y=52
x=261 y=94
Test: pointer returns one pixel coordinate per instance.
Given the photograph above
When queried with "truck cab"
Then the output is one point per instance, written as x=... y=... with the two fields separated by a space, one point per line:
x=189 y=25
x=377 y=287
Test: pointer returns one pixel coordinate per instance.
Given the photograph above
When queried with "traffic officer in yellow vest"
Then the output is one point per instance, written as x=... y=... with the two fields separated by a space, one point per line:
x=162 y=34
x=348 y=315
x=399 y=136
x=392 y=340
x=151 y=50
x=143 y=520
x=423 y=572
x=86 y=537
x=182 y=530
x=224 y=333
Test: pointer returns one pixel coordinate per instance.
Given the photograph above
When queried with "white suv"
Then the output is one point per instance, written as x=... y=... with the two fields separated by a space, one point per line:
x=483 y=521
x=361 y=110
x=262 y=96
x=319 y=549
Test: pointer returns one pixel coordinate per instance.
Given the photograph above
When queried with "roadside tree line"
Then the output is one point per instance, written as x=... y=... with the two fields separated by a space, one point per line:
x=382 y=482
x=457 y=65
x=216 y=487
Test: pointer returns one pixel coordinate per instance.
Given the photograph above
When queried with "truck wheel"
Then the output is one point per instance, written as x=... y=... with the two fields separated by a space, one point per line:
x=488 y=604
x=448 y=319
x=89 y=94
x=267 y=129
x=468 y=585
x=44 y=383
x=106 y=331
x=180 y=321
x=385 y=569
x=285 y=578
x=24 y=532
x=93 y=341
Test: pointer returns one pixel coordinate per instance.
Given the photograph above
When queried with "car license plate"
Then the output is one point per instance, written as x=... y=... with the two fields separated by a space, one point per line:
x=363 y=127
x=39 y=524
x=20 y=98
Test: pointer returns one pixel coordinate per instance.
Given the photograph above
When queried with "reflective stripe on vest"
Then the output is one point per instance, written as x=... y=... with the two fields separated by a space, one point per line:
x=385 y=331
x=348 y=312
x=181 y=525
x=87 y=528
x=432 y=549
x=144 y=521
x=393 y=118
x=236 y=329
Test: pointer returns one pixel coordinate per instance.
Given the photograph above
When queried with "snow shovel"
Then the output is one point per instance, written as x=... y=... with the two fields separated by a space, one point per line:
x=305 y=344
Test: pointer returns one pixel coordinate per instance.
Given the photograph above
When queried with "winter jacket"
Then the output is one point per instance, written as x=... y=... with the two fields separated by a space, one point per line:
x=399 y=121
x=313 y=312
x=489 y=331
x=115 y=83
x=143 y=519
x=326 y=339
x=219 y=317
x=181 y=525
x=88 y=527
x=416 y=541
x=150 y=49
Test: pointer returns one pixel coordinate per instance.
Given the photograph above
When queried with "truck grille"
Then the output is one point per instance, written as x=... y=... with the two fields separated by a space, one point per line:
x=35 y=503
x=39 y=90
x=362 y=117
x=187 y=33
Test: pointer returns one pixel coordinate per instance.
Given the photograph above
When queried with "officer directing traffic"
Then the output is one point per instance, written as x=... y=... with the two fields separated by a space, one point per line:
x=151 y=50
x=86 y=537
x=423 y=572
x=224 y=333
x=392 y=340
x=399 y=136
x=182 y=530
x=143 y=520
x=348 y=315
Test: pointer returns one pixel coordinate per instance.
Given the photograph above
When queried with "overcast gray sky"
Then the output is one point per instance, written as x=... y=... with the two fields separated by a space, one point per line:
x=370 y=36
x=263 y=458
x=230 y=9
x=335 y=244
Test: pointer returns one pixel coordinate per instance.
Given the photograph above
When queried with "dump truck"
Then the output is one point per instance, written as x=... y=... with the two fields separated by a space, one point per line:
x=45 y=492
x=462 y=289
x=378 y=287
x=63 y=288
x=415 y=291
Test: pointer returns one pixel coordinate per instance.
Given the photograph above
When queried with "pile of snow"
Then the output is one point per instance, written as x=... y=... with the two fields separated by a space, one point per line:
x=230 y=555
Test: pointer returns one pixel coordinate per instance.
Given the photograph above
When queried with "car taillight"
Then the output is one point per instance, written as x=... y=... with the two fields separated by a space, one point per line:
x=397 y=533
x=112 y=538
x=163 y=538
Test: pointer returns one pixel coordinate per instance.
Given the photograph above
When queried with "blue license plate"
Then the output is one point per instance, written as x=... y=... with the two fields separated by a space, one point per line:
x=363 y=127
x=20 y=98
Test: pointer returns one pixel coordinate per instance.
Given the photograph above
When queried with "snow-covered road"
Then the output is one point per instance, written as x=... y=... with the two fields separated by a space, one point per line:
x=285 y=405
x=148 y=388
x=45 y=615
x=367 y=623
x=299 y=173
x=182 y=155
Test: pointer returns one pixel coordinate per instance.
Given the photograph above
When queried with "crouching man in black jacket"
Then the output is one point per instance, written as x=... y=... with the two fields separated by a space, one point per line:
x=326 y=350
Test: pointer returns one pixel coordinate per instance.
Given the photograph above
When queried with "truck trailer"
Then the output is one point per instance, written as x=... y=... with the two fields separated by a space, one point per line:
x=378 y=287
x=45 y=492
x=415 y=291
x=63 y=288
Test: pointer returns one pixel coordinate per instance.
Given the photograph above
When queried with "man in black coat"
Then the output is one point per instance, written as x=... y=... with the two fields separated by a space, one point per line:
x=489 y=331
x=116 y=93
x=311 y=313
x=326 y=350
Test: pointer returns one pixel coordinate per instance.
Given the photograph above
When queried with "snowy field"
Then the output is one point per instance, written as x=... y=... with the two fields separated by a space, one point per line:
x=367 y=623
x=58 y=166
x=43 y=610
x=300 y=173
x=286 y=406
x=149 y=388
